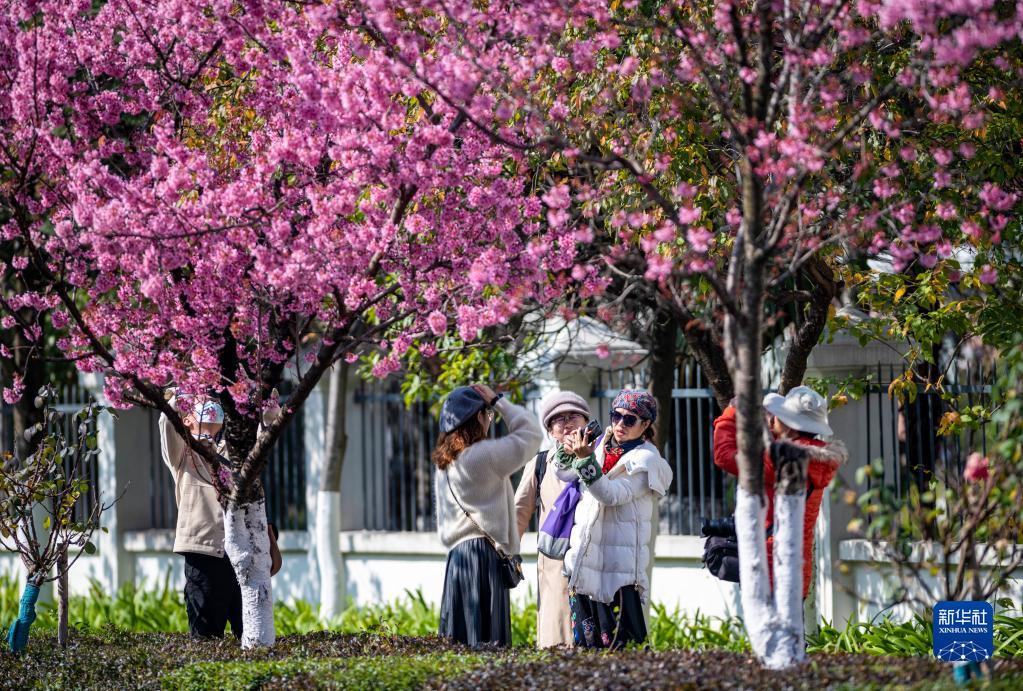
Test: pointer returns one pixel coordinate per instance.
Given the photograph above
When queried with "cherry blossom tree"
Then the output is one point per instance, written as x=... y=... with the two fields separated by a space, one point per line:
x=239 y=186
x=215 y=195
x=804 y=117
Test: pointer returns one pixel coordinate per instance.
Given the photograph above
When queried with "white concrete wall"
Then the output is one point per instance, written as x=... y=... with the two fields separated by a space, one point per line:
x=382 y=567
x=876 y=584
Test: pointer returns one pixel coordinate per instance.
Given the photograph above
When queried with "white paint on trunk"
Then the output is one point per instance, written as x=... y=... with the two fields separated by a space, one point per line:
x=247 y=545
x=788 y=571
x=755 y=588
x=328 y=553
x=772 y=642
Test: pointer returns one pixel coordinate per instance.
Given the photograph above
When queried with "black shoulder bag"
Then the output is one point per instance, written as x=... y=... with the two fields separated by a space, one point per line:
x=509 y=567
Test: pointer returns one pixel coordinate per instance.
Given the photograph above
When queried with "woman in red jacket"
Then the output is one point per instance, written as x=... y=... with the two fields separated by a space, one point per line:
x=801 y=417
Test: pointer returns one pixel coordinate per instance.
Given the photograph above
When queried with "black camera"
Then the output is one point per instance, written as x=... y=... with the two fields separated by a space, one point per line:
x=591 y=432
x=718 y=527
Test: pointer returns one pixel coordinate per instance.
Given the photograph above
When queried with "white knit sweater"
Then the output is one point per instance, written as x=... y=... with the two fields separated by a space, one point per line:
x=481 y=477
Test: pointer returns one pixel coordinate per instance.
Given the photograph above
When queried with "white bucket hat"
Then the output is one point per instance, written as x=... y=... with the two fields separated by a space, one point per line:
x=802 y=409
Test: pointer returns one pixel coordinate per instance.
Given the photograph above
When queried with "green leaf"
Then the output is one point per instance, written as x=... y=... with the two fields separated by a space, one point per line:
x=89 y=548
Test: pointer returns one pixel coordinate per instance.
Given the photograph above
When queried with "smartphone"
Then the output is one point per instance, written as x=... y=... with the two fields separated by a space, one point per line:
x=591 y=432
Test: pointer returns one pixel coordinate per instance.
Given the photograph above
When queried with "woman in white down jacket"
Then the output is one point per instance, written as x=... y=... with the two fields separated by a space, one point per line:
x=612 y=539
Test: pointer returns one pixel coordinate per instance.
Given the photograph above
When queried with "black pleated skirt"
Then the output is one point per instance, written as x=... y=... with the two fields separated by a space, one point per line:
x=475 y=608
x=599 y=625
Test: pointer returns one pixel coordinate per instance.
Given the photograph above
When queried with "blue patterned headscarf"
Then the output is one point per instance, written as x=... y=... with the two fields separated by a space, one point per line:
x=637 y=402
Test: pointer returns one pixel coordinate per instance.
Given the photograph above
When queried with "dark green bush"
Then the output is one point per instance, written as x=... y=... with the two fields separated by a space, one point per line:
x=385 y=673
x=119 y=660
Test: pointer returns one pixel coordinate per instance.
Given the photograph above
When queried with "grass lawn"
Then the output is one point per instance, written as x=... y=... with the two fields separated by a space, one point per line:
x=120 y=660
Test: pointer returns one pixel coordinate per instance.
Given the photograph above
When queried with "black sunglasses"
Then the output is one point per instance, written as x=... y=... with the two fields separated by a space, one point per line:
x=628 y=419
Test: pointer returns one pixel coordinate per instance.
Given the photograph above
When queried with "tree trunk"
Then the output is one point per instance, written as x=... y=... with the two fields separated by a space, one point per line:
x=328 y=502
x=247 y=545
x=662 y=374
x=705 y=344
x=62 y=600
x=25 y=414
x=769 y=625
x=789 y=508
x=750 y=505
x=804 y=340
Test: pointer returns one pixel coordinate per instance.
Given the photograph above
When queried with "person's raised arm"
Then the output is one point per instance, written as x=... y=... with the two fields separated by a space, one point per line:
x=172 y=446
x=509 y=453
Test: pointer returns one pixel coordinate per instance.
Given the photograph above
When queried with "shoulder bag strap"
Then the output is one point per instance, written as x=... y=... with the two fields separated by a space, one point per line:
x=541 y=467
x=468 y=515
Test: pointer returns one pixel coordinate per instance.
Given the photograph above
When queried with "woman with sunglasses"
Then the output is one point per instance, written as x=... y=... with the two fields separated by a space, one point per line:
x=612 y=539
x=475 y=504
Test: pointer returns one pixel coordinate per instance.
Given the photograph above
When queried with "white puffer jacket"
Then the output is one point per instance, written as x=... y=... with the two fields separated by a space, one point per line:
x=613 y=538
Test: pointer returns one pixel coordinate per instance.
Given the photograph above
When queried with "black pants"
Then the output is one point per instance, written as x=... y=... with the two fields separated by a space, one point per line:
x=599 y=625
x=212 y=596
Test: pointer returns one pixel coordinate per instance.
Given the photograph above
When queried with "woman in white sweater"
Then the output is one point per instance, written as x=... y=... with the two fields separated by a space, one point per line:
x=612 y=540
x=476 y=506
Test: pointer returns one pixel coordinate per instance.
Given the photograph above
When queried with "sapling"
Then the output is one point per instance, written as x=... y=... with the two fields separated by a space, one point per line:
x=50 y=483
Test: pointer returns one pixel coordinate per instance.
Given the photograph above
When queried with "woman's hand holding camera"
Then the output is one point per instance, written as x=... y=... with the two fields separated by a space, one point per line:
x=576 y=443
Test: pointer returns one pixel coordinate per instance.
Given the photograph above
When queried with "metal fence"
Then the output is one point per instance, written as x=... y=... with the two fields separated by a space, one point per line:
x=397 y=474
x=71 y=398
x=905 y=434
x=699 y=488
x=394 y=468
x=284 y=480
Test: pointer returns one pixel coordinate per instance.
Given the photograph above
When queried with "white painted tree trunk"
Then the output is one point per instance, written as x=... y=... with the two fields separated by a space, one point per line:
x=774 y=621
x=328 y=500
x=247 y=545
x=788 y=573
x=754 y=583
x=328 y=554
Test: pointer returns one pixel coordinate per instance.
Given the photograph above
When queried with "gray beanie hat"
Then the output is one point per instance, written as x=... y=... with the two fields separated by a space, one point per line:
x=563 y=402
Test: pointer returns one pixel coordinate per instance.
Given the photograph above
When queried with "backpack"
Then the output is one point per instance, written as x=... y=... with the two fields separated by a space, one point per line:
x=538 y=472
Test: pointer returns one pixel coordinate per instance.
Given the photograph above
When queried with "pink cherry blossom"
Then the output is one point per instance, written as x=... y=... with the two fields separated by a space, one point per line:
x=976 y=469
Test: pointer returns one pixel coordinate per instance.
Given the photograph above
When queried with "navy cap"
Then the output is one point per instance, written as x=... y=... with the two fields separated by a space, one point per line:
x=460 y=405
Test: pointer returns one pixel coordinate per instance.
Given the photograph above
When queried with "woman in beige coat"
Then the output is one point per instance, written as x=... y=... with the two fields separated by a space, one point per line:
x=562 y=412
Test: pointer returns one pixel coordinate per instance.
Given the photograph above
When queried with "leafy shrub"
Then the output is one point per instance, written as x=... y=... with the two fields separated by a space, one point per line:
x=695 y=632
x=914 y=637
x=139 y=610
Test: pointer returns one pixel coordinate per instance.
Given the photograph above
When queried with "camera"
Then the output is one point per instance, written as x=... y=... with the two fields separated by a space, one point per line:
x=718 y=527
x=591 y=431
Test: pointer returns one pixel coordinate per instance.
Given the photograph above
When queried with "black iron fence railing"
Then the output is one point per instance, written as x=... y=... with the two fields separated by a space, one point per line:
x=284 y=478
x=907 y=436
x=391 y=445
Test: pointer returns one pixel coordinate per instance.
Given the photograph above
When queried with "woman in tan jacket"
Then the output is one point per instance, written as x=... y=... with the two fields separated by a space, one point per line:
x=562 y=413
x=212 y=595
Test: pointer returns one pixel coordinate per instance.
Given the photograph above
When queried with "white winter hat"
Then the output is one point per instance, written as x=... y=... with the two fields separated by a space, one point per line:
x=802 y=409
